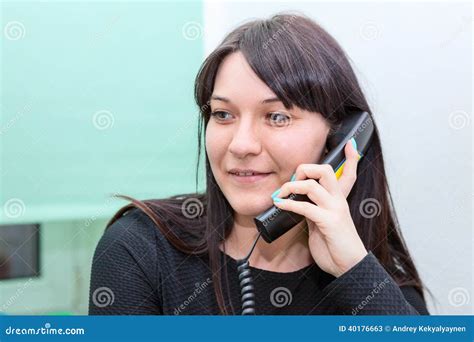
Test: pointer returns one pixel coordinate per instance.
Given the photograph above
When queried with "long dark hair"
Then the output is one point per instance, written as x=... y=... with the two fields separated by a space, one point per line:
x=305 y=67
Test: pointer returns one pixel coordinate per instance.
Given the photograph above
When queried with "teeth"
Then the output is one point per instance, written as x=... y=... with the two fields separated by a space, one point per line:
x=245 y=173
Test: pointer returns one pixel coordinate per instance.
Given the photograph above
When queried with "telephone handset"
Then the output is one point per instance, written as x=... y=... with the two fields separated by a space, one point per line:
x=274 y=222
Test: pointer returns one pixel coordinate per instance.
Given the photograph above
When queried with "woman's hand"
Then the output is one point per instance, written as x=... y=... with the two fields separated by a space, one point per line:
x=333 y=241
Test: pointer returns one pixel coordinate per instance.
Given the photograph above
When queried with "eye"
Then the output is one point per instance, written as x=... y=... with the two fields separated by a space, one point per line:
x=279 y=119
x=220 y=115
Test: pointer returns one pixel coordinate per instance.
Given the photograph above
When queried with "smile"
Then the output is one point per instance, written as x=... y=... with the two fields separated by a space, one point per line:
x=248 y=178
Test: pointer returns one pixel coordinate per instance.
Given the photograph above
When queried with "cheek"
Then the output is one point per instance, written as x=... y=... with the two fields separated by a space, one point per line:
x=215 y=146
x=297 y=148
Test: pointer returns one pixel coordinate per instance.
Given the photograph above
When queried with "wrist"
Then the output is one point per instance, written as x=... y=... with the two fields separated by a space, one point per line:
x=357 y=258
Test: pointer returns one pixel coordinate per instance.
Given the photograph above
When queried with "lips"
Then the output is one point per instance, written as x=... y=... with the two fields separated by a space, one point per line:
x=247 y=172
x=248 y=176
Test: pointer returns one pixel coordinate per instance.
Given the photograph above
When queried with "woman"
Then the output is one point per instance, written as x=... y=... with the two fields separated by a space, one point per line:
x=269 y=95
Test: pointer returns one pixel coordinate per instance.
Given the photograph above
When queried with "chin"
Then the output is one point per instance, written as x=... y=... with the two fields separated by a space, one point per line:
x=250 y=207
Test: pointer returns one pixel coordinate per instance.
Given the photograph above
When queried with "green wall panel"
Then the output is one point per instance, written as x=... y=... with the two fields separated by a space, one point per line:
x=97 y=98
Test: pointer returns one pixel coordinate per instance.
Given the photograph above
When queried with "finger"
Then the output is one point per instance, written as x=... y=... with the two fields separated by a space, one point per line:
x=348 y=170
x=310 y=187
x=306 y=209
x=323 y=173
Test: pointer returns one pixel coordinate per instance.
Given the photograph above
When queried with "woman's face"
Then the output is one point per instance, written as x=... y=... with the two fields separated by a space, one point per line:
x=252 y=130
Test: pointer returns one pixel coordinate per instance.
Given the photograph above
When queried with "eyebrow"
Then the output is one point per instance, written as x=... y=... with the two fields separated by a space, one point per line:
x=227 y=100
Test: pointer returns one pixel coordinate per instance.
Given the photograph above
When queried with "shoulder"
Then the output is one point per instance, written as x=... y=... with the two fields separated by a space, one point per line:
x=133 y=226
x=128 y=242
x=132 y=247
x=125 y=267
x=138 y=236
x=135 y=232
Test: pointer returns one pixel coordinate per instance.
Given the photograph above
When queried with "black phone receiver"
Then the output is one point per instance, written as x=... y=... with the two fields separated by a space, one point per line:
x=274 y=222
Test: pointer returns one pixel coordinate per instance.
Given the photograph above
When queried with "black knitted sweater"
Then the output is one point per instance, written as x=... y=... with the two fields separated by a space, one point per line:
x=136 y=271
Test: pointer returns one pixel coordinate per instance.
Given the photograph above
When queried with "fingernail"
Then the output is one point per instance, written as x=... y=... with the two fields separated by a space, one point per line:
x=293 y=177
x=354 y=143
x=276 y=193
x=277 y=200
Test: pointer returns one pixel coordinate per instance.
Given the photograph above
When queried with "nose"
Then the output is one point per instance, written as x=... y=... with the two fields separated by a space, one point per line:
x=246 y=140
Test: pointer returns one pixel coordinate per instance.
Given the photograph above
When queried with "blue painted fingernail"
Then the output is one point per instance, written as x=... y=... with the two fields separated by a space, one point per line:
x=354 y=143
x=293 y=177
x=276 y=193
x=277 y=199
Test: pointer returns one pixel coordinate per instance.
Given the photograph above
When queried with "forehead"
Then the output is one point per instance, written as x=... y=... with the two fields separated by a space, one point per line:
x=236 y=80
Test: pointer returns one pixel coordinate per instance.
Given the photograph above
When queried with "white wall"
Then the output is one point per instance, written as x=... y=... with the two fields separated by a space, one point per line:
x=414 y=61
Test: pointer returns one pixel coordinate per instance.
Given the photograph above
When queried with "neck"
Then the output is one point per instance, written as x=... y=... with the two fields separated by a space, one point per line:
x=288 y=253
